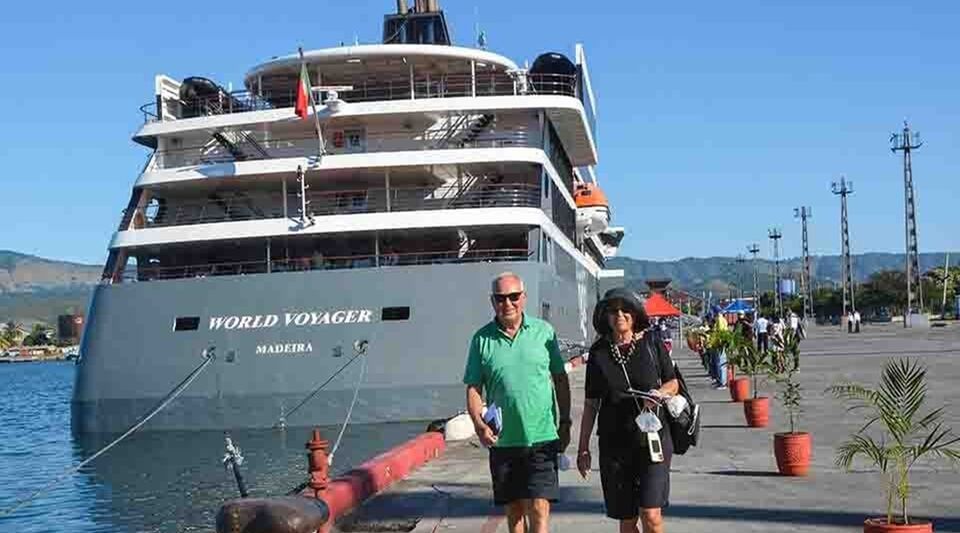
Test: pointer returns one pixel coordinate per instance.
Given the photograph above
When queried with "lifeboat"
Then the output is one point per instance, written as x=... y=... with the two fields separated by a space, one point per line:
x=593 y=209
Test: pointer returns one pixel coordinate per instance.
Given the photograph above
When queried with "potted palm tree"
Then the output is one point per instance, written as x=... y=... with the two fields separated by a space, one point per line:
x=792 y=449
x=755 y=364
x=905 y=436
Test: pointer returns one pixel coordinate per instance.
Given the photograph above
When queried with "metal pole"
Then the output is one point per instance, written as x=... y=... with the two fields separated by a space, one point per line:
x=775 y=236
x=740 y=261
x=906 y=142
x=681 y=315
x=387 y=187
x=806 y=278
x=946 y=279
x=313 y=106
x=413 y=84
x=473 y=78
x=232 y=459
x=843 y=189
x=754 y=249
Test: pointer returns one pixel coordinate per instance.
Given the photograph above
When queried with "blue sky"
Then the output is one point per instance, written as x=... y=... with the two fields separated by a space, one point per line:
x=716 y=118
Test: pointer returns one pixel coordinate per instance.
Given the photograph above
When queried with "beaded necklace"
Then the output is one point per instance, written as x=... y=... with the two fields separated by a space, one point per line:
x=619 y=357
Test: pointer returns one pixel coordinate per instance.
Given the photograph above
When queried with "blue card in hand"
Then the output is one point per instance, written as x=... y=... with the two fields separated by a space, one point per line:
x=493 y=417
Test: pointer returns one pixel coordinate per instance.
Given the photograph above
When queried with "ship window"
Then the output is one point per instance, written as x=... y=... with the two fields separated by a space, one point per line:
x=392 y=314
x=186 y=323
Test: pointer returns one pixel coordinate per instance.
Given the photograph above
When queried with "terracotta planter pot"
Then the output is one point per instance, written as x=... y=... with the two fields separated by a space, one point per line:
x=880 y=525
x=793 y=451
x=739 y=389
x=731 y=374
x=757 y=412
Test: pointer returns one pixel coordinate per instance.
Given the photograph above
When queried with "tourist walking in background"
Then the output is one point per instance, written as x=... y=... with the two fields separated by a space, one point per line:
x=743 y=326
x=856 y=321
x=760 y=328
x=777 y=329
x=511 y=362
x=718 y=358
x=635 y=443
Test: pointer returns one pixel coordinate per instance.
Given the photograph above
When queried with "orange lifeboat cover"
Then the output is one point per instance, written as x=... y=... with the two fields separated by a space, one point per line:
x=590 y=195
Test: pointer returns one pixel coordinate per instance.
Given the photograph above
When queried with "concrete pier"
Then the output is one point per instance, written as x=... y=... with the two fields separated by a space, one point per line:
x=730 y=482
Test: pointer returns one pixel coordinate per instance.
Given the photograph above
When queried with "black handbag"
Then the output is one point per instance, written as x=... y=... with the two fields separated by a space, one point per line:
x=684 y=428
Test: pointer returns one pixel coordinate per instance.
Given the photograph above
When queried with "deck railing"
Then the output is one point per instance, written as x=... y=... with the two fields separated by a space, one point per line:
x=319 y=262
x=342 y=202
x=383 y=141
x=401 y=88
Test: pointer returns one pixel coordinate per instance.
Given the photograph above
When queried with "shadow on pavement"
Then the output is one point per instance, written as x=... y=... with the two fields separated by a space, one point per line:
x=744 y=473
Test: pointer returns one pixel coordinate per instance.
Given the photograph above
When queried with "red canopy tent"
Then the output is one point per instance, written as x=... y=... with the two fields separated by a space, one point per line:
x=657 y=306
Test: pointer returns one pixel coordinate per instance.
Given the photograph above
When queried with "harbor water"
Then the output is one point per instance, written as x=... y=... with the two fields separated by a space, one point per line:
x=151 y=482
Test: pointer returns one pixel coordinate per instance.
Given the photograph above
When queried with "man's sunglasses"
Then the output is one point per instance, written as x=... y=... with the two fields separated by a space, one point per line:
x=513 y=297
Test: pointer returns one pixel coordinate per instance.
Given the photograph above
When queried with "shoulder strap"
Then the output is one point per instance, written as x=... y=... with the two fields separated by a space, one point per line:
x=656 y=361
x=626 y=376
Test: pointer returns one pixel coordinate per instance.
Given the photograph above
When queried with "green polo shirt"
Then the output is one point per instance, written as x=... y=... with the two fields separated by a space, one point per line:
x=516 y=375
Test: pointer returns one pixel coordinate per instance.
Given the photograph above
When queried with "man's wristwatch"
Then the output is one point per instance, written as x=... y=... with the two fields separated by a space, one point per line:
x=566 y=422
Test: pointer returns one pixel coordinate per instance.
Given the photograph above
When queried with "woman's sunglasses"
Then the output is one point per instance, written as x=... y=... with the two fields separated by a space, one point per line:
x=513 y=297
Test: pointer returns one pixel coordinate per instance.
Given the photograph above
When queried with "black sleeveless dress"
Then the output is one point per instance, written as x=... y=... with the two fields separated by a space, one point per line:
x=630 y=480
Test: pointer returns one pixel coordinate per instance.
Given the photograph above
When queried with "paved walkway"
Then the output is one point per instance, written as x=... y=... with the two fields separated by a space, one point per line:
x=730 y=481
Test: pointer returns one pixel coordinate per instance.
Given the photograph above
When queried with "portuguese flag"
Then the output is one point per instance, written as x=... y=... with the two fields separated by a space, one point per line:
x=303 y=92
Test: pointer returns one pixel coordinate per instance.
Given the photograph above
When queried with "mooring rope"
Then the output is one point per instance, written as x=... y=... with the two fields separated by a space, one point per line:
x=209 y=355
x=360 y=348
x=283 y=419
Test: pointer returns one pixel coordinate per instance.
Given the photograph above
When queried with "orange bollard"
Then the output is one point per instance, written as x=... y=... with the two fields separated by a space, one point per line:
x=317 y=462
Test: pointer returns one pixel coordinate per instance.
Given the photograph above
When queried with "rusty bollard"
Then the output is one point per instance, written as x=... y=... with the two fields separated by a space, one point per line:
x=317 y=462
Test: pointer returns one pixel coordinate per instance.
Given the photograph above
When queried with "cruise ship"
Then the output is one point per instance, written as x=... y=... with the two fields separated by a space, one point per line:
x=282 y=236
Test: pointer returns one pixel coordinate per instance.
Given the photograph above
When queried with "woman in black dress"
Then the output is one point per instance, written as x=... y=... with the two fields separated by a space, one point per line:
x=635 y=486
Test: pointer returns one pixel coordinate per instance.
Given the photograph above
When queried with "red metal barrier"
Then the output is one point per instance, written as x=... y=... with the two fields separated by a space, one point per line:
x=356 y=486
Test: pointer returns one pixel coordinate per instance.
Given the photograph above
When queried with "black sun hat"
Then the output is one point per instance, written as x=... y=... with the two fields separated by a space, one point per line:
x=631 y=301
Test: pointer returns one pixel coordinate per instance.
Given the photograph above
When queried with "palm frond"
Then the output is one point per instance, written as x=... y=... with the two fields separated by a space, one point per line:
x=869 y=423
x=951 y=454
x=931 y=418
x=865 y=446
x=853 y=391
x=937 y=443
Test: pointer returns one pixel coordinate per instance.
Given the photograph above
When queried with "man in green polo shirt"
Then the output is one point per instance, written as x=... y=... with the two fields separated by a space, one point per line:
x=515 y=360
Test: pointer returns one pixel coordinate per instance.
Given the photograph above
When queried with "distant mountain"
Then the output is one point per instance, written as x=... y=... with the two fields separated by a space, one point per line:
x=33 y=289
x=719 y=273
x=20 y=273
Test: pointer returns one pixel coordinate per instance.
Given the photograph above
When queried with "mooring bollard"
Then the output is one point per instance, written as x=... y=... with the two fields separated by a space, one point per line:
x=317 y=462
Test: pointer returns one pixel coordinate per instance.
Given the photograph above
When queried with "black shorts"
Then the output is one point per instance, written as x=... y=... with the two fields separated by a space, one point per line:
x=522 y=472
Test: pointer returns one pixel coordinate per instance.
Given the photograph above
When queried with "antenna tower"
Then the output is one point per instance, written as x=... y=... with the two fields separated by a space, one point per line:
x=906 y=142
x=806 y=280
x=740 y=261
x=754 y=250
x=843 y=189
x=775 y=236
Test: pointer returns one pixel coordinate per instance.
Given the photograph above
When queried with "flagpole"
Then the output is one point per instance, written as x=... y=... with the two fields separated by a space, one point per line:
x=313 y=106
